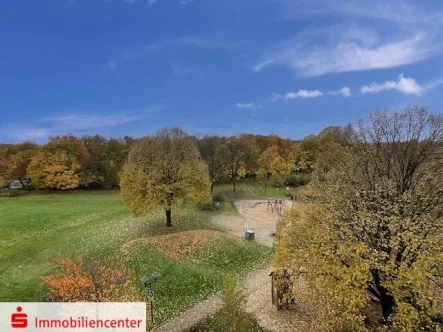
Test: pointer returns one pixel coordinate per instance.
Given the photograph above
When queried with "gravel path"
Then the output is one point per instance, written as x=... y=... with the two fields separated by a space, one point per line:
x=259 y=217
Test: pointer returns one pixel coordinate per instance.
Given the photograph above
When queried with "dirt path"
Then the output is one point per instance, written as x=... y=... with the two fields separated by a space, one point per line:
x=257 y=215
x=257 y=285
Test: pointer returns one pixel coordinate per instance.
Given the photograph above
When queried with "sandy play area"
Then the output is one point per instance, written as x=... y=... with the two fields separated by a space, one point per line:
x=259 y=217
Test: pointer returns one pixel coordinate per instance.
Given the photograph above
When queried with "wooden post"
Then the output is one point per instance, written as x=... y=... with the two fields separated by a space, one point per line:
x=272 y=287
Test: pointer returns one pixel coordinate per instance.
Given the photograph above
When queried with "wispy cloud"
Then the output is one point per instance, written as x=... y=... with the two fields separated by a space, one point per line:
x=151 y=2
x=180 y=68
x=207 y=42
x=299 y=94
x=344 y=91
x=386 y=35
x=74 y=122
x=77 y=122
x=248 y=105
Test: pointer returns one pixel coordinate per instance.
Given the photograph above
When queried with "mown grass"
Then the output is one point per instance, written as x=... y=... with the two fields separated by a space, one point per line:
x=36 y=229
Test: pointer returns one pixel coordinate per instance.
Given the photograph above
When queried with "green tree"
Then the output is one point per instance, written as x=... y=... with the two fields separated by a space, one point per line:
x=233 y=317
x=371 y=233
x=211 y=152
x=235 y=154
x=114 y=156
x=164 y=170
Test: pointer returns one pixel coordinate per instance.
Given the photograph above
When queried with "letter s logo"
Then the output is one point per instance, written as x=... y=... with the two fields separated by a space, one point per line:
x=19 y=320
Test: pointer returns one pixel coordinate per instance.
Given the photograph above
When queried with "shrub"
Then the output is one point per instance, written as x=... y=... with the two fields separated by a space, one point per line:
x=90 y=282
x=14 y=193
x=209 y=206
x=218 y=197
x=296 y=180
x=10 y=193
x=232 y=317
x=277 y=181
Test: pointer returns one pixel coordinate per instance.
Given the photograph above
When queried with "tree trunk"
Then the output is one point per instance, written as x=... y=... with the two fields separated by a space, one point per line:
x=168 y=218
x=233 y=185
x=268 y=175
x=387 y=301
x=212 y=188
x=387 y=305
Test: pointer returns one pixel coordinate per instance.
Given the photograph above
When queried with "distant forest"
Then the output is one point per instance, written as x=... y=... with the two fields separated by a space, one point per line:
x=94 y=162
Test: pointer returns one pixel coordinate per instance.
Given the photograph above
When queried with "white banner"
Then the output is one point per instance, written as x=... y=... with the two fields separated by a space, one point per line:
x=75 y=317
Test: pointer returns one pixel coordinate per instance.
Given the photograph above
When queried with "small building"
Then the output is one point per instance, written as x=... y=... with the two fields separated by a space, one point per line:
x=17 y=184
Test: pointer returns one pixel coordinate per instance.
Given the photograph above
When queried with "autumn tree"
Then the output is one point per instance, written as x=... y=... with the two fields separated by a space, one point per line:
x=164 y=170
x=235 y=154
x=114 y=155
x=253 y=152
x=233 y=317
x=83 y=281
x=20 y=161
x=371 y=234
x=271 y=162
x=57 y=170
x=210 y=148
x=4 y=166
x=71 y=146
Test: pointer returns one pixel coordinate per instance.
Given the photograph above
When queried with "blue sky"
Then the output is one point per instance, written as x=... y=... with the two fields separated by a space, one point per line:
x=130 y=67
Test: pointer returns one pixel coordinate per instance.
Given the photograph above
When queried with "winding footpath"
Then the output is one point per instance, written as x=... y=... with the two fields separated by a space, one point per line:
x=257 y=284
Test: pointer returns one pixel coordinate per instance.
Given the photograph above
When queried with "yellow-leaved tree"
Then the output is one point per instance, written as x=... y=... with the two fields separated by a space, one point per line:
x=271 y=162
x=54 y=170
x=4 y=166
x=164 y=170
x=369 y=240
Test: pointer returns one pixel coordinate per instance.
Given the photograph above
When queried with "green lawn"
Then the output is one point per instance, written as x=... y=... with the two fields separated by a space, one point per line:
x=36 y=229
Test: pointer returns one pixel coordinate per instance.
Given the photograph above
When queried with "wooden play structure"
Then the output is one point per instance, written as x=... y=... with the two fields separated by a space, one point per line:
x=281 y=290
x=277 y=205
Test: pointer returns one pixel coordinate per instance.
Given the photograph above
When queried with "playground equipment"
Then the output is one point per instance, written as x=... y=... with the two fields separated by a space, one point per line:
x=278 y=205
x=281 y=290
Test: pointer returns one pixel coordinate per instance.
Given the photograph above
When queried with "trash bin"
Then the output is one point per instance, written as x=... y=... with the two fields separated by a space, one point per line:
x=249 y=235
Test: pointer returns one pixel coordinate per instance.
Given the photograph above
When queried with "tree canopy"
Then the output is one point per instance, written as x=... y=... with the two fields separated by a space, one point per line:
x=369 y=238
x=164 y=170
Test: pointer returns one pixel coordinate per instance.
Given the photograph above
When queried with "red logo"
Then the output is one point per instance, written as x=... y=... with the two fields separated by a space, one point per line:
x=19 y=320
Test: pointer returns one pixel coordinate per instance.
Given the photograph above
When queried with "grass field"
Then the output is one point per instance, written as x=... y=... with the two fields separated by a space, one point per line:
x=36 y=229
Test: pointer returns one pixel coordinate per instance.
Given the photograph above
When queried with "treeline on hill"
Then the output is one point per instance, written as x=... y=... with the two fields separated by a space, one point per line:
x=94 y=162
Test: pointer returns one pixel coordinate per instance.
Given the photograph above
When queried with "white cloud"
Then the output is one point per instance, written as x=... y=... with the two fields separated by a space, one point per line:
x=344 y=91
x=186 y=2
x=310 y=59
x=383 y=35
x=300 y=94
x=403 y=84
x=248 y=105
